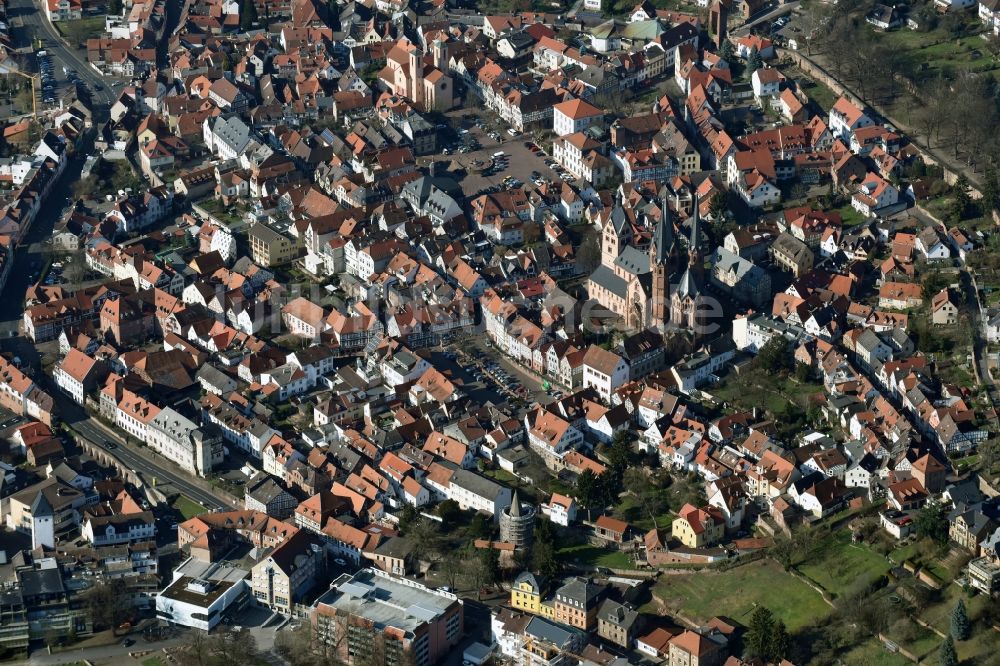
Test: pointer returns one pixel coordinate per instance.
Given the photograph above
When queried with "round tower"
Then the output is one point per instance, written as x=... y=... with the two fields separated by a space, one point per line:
x=517 y=523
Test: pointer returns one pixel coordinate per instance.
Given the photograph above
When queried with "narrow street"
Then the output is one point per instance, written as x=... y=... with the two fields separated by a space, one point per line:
x=30 y=255
x=781 y=10
x=155 y=471
x=970 y=289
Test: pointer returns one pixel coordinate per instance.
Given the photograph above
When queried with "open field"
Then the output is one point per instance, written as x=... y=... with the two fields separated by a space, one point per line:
x=839 y=565
x=938 y=52
x=82 y=29
x=595 y=556
x=188 y=508
x=736 y=592
x=756 y=389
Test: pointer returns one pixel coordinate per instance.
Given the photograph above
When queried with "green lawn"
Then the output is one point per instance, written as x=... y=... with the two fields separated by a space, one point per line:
x=981 y=645
x=872 y=651
x=839 y=565
x=938 y=52
x=188 y=508
x=635 y=515
x=938 y=613
x=595 y=556
x=818 y=92
x=81 y=30
x=736 y=592
x=848 y=216
x=756 y=389
x=152 y=661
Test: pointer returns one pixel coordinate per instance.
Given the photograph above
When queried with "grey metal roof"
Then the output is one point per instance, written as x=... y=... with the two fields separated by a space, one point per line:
x=633 y=260
x=386 y=601
x=727 y=261
x=606 y=278
x=541 y=629
x=581 y=590
x=663 y=235
x=689 y=285
x=37 y=582
x=474 y=483
x=233 y=132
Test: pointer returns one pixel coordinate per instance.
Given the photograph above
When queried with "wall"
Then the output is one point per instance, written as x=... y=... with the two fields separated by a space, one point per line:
x=817 y=72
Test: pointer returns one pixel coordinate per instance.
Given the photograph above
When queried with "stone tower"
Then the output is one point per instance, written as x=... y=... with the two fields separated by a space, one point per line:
x=416 y=80
x=662 y=258
x=517 y=523
x=617 y=233
x=440 y=51
x=718 y=17
x=43 y=523
x=687 y=299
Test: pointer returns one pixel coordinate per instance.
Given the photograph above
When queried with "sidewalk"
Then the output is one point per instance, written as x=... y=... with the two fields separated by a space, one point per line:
x=158 y=460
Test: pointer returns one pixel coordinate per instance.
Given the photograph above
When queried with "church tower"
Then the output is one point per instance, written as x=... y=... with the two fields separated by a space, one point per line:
x=416 y=79
x=440 y=52
x=687 y=299
x=662 y=258
x=696 y=261
x=617 y=233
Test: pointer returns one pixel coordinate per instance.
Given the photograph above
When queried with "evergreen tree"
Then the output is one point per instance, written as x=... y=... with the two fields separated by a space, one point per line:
x=718 y=205
x=726 y=51
x=960 y=622
x=115 y=7
x=947 y=655
x=960 y=205
x=620 y=454
x=991 y=192
x=489 y=561
x=248 y=15
x=759 y=636
x=932 y=522
x=588 y=491
x=774 y=356
x=781 y=642
x=754 y=61
x=543 y=550
x=767 y=638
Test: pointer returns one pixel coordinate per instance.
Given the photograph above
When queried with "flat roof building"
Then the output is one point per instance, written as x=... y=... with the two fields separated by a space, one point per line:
x=201 y=593
x=388 y=619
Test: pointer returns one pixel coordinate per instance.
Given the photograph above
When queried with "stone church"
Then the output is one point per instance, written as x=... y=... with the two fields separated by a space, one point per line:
x=635 y=283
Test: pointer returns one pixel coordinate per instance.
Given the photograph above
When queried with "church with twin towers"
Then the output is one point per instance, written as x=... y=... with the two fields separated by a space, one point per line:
x=648 y=276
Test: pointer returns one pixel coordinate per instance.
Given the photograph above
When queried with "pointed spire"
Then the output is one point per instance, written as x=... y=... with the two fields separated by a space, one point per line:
x=663 y=235
x=515 y=506
x=695 y=239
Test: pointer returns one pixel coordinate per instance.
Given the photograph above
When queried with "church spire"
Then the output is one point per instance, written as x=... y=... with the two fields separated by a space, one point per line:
x=694 y=241
x=663 y=235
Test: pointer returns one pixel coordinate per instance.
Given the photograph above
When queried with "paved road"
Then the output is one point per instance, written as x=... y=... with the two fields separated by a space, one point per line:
x=109 y=654
x=154 y=471
x=30 y=256
x=970 y=288
x=37 y=25
x=757 y=20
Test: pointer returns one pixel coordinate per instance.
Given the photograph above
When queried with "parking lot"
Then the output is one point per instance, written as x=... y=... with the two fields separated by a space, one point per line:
x=481 y=357
x=476 y=144
x=47 y=77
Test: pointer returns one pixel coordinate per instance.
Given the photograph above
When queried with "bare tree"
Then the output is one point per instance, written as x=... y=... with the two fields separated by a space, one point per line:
x=452 y=566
